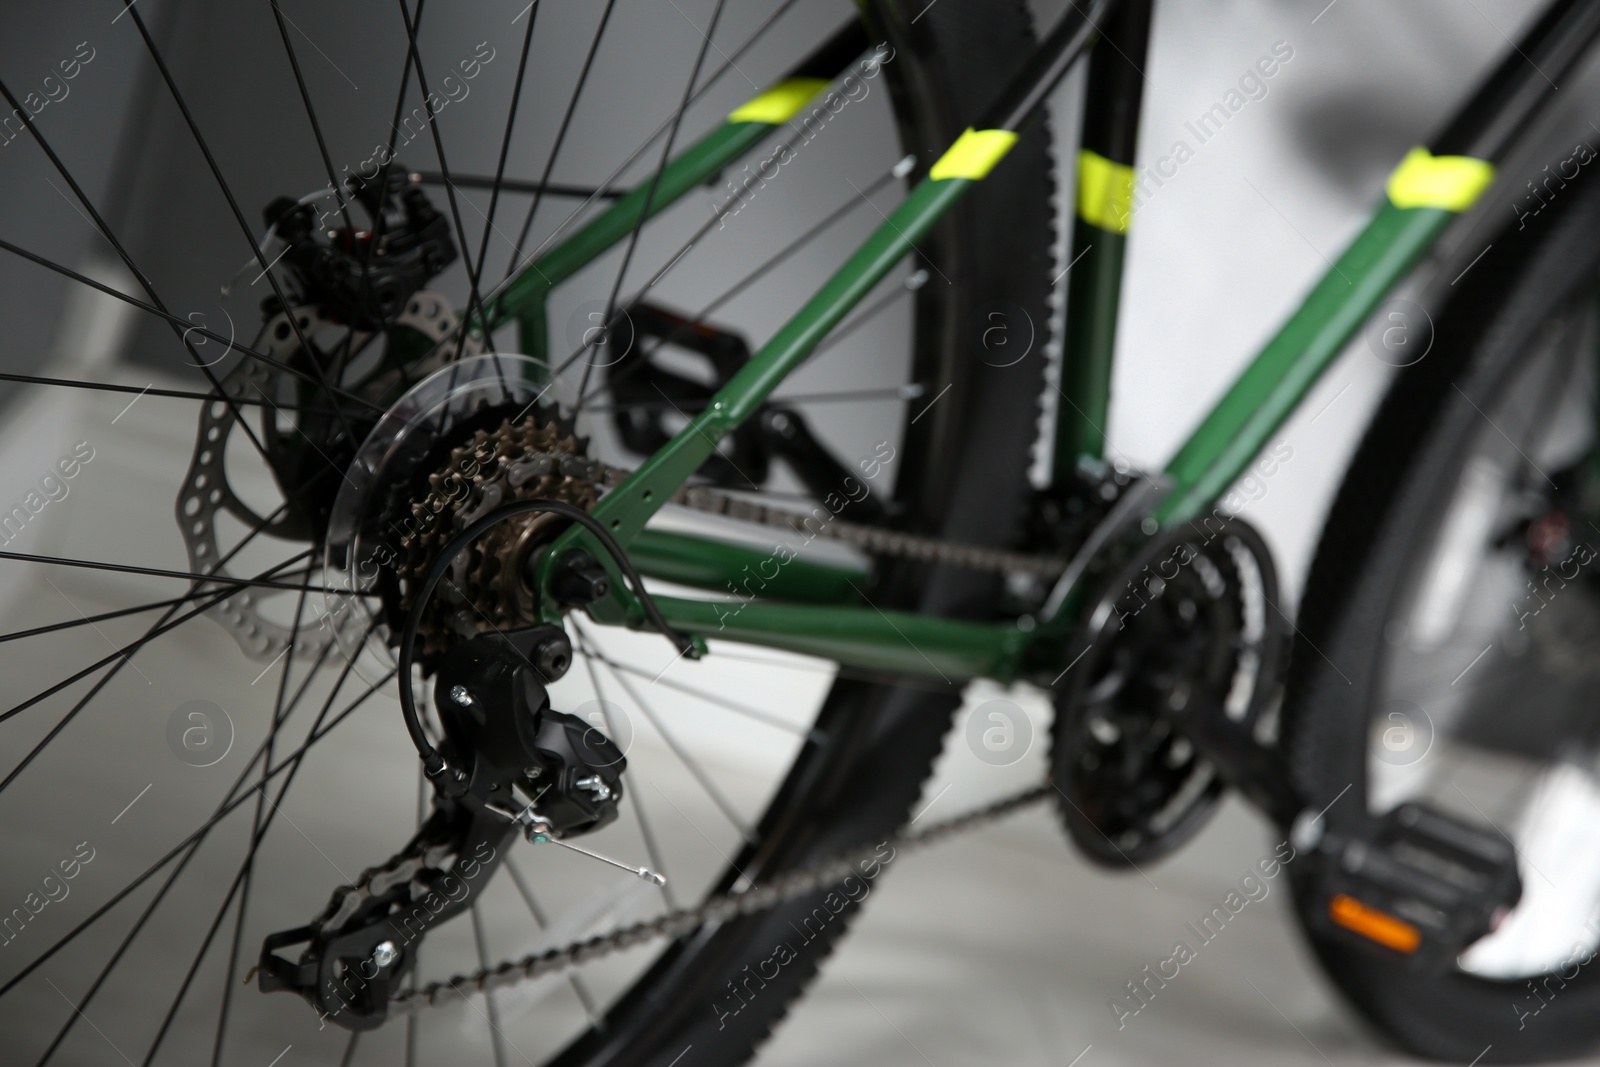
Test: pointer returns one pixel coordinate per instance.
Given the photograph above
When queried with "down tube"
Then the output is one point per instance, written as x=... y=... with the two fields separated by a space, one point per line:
x=1278 y=378
x=1426 y=192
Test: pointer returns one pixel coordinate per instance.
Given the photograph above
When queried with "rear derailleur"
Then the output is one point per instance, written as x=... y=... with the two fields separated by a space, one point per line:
x=531 y=770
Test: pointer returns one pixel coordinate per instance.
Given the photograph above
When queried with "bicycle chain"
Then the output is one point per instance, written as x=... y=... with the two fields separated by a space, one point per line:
x=872 y=539
x=717 y=909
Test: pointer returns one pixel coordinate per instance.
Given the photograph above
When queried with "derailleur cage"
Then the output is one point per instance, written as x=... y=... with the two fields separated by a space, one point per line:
x=492 y=703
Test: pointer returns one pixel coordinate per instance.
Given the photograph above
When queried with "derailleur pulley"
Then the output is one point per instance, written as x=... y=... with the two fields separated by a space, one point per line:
x=529 y=770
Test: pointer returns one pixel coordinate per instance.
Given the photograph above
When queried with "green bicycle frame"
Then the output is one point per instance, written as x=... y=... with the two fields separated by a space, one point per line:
x=823 y=610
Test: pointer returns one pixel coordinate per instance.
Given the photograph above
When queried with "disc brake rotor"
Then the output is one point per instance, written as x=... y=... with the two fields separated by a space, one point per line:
x=207 y=493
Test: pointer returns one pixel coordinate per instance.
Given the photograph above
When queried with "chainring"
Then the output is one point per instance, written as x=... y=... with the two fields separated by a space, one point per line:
x=1179 y=629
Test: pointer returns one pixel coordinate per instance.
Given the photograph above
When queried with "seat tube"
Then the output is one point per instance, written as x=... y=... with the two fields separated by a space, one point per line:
x=1105 y=205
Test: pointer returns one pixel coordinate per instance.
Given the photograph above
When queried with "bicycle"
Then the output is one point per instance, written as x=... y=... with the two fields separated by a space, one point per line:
x=388 y=489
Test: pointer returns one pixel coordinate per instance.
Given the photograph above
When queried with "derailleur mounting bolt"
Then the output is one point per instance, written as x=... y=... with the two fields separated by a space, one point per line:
x=553 y=655
x=385 y=954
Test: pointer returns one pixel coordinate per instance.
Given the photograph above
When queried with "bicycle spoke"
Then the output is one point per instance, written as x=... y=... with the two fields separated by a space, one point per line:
x=750 y=279
x=89 y=620
x=651 y=846
x=901 y=392
x=644 y=145
x=561 y=136
x=166 y=887
x=712 y=698
x=158 y=572
x=200 y=833
x=783 y=255
x=161 y=626
x=311 y=112
x=380 y=222
x=189 y=327
x=104 y=230
x=179 y=394
x=258 y=825
x=655 y=183
x=473 y=299
x=341 y=368
x=516 y=185
x=238 y=879
x=691 y=764
x=579 y=989
x=500 y=167
x=412 y=1019
x=884 y=303
x=496 y=1038
x=683 y=251
x=233 y=205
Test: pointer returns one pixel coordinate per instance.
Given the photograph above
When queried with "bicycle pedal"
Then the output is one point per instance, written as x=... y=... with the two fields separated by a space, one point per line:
x=1420 y=889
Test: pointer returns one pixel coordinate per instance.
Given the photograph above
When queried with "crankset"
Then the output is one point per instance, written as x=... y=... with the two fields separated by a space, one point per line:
x=1166 y=699
x=1170 y=698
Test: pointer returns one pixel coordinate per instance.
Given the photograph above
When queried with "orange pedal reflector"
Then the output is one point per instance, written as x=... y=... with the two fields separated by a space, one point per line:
x=1373 y=924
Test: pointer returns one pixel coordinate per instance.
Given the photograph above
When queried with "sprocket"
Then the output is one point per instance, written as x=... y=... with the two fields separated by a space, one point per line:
x=485 y=591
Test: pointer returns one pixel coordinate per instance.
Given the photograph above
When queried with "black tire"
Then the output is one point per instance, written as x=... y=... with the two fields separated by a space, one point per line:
x=1389 y=507
x=964 y=477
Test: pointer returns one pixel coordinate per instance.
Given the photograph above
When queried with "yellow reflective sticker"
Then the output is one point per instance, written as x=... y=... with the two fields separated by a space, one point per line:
x=973 y=155
x=1453 y=183
x=1105 y=192
x=779 y=103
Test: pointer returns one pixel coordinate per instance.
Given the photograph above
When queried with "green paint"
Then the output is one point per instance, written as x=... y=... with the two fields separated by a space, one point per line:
x=628 y=507
x=1094 y=294
x=724 y=567
x=699 y=163
x=1279 y=377
x=864 y=638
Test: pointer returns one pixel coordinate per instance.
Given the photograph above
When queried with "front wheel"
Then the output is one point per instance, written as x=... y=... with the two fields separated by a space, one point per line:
x=1450 y=643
